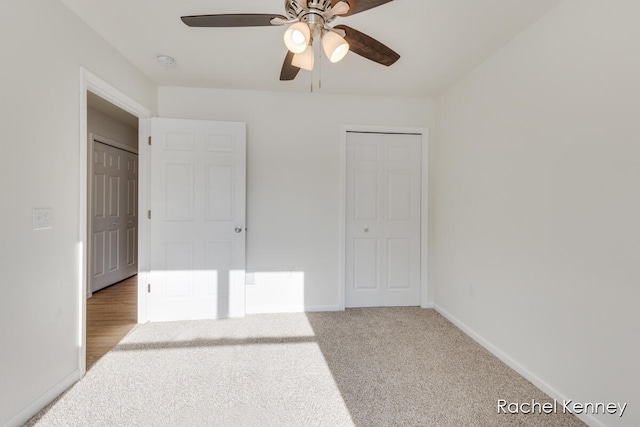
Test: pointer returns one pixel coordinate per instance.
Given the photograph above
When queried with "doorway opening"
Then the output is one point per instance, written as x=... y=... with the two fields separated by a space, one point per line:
x=112 y=193
x=112 y=225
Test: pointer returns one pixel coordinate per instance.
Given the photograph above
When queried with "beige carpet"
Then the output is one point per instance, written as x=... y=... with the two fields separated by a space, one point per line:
x=364 y=367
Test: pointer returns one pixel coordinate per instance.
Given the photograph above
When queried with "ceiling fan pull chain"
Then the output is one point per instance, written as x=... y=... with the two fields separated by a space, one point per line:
x=320 y=70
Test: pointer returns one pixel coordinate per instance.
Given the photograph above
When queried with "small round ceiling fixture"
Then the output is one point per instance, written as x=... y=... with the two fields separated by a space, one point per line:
x=166 y=61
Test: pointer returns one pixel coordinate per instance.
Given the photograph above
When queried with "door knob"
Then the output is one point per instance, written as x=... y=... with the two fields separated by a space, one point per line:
x=238 y=230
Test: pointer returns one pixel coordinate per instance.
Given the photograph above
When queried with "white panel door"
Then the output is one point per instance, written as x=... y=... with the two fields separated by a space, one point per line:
x=114 y=215
x=197 y=232
x=383 y=220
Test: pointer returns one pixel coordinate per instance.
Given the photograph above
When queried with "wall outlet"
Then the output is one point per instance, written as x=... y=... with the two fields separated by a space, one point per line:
x=472 y=291
x=42 y=218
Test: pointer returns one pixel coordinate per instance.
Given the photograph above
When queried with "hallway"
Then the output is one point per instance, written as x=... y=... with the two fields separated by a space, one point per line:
x=111 y=313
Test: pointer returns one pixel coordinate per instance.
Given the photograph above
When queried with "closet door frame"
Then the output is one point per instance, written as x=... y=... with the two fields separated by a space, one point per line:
x=425 y=297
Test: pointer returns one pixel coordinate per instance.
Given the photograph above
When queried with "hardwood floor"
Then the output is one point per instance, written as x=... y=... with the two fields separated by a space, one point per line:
x=111 y=313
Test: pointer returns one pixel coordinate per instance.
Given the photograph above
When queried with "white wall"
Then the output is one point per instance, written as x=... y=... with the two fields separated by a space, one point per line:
x=536 y=203
x=293 y=181
x=100 y=124
x=44 y=46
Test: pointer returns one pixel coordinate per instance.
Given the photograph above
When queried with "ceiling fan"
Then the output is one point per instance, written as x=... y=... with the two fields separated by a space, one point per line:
x=309 y=19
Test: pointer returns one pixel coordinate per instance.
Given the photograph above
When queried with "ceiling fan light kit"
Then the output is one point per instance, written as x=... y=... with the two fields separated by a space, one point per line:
x=305 y=59
x=297 y=36
x=309 y=19
x=335 y=46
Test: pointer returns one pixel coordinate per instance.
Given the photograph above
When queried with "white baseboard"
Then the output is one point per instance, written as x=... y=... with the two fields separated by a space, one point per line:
x=274 y=310
x=590 y=420
x=37 y=405
x=296 y=309
x=318 y=308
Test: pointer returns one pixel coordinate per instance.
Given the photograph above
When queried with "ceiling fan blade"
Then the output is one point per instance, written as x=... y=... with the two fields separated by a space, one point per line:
x=289 y=71
x=232 y=20
x=368 y=47
x=358 y=6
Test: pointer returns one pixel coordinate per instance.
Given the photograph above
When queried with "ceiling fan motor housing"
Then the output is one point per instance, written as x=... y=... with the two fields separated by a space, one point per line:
x=313 y=12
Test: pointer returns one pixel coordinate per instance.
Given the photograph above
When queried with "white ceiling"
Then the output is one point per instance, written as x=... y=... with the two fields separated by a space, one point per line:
x=439 y=42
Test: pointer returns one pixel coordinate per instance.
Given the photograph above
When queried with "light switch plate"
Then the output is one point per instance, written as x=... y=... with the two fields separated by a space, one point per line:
x=42 y=218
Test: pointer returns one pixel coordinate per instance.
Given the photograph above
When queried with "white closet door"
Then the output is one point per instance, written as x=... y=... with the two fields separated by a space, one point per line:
x=383 y=220
x=197 y=249
x=114 y=215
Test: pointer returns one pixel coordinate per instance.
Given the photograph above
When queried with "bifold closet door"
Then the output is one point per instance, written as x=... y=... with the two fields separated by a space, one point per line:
x=114 y=238
x=383 y=198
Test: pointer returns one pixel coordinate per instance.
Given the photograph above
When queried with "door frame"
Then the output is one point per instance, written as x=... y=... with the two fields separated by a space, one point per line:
x=92 y=83
x=425 y=296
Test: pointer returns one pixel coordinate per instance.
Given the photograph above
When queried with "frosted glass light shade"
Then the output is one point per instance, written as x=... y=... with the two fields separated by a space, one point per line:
x=305 y=59
x=334 y=46
x=296 y=38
